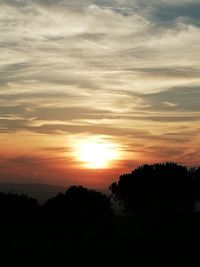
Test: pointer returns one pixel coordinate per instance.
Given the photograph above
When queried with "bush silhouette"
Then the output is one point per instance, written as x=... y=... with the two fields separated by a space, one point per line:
x=158 y=188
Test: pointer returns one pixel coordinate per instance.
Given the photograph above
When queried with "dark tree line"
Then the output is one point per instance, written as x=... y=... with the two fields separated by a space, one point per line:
x=80 y=226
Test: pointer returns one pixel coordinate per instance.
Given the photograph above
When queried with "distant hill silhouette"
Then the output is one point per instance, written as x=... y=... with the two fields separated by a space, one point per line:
x=42 y=192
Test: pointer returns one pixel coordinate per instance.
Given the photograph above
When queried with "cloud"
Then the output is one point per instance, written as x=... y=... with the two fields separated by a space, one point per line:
x=180 y=99
x=187 y=10
x=128 y=70
x=26 y=169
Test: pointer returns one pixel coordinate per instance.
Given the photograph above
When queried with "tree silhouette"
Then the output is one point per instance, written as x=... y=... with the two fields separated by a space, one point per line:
x=158 y=188
x=17 y=207
x=195 y=174
x=79 y=203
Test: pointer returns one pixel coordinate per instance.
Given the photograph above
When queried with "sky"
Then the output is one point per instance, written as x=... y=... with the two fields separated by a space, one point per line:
x=122 y=73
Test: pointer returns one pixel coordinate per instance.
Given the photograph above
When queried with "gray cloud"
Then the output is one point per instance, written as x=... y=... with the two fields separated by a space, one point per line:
x=11 y=110
x=169 y=13
x=175 y=99
x=12 y=125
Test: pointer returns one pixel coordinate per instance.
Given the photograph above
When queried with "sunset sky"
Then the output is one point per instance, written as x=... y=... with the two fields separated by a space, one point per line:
x=121 y=77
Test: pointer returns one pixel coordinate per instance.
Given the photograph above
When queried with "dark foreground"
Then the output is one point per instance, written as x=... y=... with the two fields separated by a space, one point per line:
x=79 y=227
x=119 y=241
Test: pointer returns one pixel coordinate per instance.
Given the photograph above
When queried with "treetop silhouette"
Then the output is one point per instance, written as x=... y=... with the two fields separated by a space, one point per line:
x=79 y=202
x=157 y=188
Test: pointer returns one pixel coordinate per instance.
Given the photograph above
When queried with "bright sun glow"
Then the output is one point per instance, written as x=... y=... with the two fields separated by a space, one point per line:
x=96 y=154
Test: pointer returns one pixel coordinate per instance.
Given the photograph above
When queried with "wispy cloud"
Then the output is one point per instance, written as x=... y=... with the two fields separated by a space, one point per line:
x=128 y=70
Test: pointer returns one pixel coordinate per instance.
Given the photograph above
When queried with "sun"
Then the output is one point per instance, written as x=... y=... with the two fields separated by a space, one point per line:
x=96 y=154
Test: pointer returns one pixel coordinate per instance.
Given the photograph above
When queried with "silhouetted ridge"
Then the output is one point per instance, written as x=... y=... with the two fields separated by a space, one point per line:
x=42 y=192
